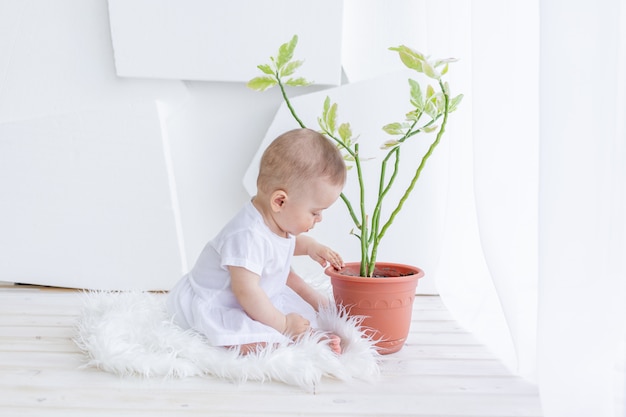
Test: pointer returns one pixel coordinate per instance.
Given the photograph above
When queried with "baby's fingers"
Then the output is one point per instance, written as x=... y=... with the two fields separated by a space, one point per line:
x=335 y=260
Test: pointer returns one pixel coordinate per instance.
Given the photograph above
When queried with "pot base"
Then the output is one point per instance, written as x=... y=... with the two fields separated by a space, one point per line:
x=386 y=347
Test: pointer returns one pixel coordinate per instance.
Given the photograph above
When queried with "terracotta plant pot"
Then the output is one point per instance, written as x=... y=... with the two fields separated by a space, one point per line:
x=386 y=301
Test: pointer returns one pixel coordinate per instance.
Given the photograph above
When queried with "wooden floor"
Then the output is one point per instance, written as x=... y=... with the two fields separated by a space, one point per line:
x=442 y=371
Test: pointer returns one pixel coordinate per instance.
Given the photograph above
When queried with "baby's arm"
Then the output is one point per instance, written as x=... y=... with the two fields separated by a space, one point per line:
x=308 y=293
x=257 y=305
x=306 y=245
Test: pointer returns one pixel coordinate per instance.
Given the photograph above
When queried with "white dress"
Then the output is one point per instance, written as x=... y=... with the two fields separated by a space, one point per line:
x=203 y=300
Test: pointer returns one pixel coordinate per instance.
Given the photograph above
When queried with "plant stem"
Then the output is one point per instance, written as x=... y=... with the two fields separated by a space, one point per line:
x=382 y=192
x=364 y=222
x=295 y=116
x=376 y=237
x=350 y=210
x=284 y=93
x=422 y=164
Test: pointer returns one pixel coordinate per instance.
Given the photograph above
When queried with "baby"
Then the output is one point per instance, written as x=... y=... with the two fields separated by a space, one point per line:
x=242 y=293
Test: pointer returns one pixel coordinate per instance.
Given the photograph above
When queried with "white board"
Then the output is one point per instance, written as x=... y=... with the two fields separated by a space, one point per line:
x=85 y=201
x=223 y=40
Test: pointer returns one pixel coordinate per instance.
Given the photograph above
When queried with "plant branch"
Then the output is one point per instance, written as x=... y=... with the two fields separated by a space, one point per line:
x=350 y=210
x=364 y=222
x=286 y=99
x=382 y=192
x=422 y=164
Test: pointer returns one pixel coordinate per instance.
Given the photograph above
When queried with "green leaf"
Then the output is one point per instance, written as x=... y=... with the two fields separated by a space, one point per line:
x=331 y=118
x=414 y=116
x=417 y=98
x=266 y=69
x=430 y=91
x=323 y=119
x=297 y=82
x=394 y=128
x=430 y=71
x=326 y=107
x=444 y=61
x=345 y=133
x=440 y=103
x=430 y=128
x=392 y=143
x=290 y=68
x=431 y=109
x=285 y=52
x=409 y=57
x=454 y=103
x=262 y=83
x=444 y=71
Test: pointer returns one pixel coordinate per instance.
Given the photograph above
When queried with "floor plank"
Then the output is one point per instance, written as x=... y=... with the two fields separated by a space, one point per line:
x=441 y=372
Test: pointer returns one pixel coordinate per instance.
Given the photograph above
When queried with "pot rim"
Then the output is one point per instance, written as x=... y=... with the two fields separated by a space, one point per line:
x=333 y=273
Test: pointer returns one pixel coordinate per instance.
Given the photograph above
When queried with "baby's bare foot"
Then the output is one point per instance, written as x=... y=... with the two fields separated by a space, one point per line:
x=334 y=342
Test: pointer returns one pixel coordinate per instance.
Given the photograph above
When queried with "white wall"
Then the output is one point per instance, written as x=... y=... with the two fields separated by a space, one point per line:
x=82 y=172
x=113 y=182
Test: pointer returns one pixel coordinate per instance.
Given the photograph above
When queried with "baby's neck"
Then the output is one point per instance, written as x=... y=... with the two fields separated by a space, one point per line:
x=261 y=205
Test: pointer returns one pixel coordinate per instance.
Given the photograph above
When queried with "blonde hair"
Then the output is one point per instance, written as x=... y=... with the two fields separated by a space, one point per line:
x=297 y=157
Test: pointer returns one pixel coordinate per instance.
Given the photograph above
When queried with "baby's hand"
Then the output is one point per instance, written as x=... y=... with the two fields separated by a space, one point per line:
x=295 y=325
x=323 y=254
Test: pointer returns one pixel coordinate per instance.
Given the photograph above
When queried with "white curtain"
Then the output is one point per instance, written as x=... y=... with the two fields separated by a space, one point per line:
x=488 y=275
x=582 y=209
x=541 y=274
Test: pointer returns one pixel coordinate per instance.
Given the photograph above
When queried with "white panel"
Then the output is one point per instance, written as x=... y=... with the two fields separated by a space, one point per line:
x=56 y=57
x=415 y=237
x=57 y=86
x=211 y=148
x=223 y=40
x=85 y=201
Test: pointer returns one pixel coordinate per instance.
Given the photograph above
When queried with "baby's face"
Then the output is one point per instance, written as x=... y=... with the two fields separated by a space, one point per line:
x=304 y=208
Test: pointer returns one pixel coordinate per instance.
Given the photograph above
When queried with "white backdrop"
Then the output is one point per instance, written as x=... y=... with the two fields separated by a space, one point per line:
x=129 y=204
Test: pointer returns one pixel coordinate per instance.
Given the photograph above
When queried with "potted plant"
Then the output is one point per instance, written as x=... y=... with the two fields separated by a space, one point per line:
x=382 y=293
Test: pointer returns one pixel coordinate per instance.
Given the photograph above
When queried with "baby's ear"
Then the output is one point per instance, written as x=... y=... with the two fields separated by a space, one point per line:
x=279 y=197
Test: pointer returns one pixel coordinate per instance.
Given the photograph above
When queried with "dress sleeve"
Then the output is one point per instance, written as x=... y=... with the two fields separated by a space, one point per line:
x=245 y=250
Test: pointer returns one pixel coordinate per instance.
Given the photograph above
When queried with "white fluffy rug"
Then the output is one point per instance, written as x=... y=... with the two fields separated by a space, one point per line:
x=129 y=333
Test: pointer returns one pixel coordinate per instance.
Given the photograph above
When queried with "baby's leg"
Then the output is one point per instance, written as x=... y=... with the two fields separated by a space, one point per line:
x=334 y=343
